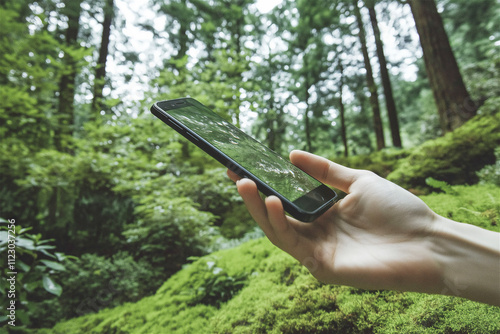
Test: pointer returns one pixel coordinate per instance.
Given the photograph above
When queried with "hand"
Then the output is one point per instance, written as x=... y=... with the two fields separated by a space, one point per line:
x=373 y=238
x=379 y=236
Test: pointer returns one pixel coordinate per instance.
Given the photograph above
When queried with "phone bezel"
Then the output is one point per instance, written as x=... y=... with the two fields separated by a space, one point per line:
x=304 y=208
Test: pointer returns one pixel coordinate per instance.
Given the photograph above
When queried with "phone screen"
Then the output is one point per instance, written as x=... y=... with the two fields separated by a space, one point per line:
x=262 y=162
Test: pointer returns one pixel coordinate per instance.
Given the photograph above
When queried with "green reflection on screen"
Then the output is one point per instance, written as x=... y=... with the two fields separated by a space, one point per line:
x=280 y=174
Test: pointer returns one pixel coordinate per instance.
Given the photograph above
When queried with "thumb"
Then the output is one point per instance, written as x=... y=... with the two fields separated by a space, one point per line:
x=324 y=170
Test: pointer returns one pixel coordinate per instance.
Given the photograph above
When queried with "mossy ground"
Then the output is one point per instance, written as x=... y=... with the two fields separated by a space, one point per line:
x=263 y=290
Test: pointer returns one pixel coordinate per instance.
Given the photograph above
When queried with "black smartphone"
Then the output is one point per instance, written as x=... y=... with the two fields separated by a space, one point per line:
x=303 y=197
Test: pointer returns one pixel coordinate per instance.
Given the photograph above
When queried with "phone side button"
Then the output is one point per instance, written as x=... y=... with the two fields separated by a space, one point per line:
x=191 y=136
x=174 y=125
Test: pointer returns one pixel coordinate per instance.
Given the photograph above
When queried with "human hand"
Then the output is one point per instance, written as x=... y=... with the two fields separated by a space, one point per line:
x=380 y=236
x=374 y=238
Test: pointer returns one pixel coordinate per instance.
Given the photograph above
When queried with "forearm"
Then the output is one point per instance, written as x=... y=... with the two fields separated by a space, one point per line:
x=469 y=261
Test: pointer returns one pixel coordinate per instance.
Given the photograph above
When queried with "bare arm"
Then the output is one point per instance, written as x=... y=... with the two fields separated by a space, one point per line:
x=380 y=237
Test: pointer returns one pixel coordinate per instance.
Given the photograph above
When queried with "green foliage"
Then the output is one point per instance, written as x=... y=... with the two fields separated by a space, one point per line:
x=216 y=286
x=236 y=222
x=29 y=71
x=168 y=232
x=491 y=174
x=93 y=282
x=441 y=185
x=58 y=190
x=32 y=264
x=483 y=80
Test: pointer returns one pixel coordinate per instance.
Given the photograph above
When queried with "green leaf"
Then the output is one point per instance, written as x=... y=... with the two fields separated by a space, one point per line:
x=3 y=237
x=32 y=286
x=25 y=243
x=43 y=251
x=53 y=265
x=22 y=230
x=51 y=286
x=60 y=256
x=24 y=267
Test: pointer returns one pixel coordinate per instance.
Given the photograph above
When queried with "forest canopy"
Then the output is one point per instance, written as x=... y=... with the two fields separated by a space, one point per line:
x=102 y=194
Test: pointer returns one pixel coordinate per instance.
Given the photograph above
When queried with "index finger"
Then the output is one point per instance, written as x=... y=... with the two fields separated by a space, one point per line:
x=324 y=170
x=233 y=176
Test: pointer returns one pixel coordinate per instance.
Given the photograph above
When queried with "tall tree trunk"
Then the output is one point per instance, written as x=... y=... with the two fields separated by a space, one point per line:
x=386 y=81
x=65 y=109
x=271 y=129
x=343 y=131
x=306 y=113
x=100 y=72
x=377 y=120
x=452 y=99
x=183 y=37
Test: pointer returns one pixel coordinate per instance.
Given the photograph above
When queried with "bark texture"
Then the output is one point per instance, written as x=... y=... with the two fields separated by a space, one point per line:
x=452 y=99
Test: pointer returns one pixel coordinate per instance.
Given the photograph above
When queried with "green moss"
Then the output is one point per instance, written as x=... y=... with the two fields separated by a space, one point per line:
x=454 y=158
x=278 y=295
x=381 y=162
x=478 y=205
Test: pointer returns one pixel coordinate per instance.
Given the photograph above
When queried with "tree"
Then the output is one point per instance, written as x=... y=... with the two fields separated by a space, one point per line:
x=377 y=120
x=309 y=62
x=100 y=71
x=267 y=95
x=452 y=99
x=384 y=74
x=343 y=130
x=470 y=25
x=72 y=9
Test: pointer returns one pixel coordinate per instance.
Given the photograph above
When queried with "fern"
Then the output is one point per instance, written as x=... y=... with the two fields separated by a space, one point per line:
x=441 y=185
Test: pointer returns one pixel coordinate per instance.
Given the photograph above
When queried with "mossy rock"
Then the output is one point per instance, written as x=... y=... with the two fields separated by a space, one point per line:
x=454 y=158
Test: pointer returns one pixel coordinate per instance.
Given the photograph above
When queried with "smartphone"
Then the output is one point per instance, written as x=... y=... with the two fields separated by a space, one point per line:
x=303 y=197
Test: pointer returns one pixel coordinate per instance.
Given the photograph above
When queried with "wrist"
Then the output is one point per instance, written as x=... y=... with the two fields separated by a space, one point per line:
x=468 y=260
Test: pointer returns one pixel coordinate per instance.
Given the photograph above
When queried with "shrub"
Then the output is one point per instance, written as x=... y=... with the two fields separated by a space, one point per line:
x=93 y=282
x=34 y=267
x=491 y=174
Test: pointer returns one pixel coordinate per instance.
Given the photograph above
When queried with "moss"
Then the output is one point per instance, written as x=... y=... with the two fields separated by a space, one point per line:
x=381 y=162
x=280 y=296
x=454 y=158
x=478 y=205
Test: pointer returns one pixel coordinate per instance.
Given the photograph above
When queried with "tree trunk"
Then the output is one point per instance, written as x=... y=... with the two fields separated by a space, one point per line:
x=183 y=37
x=100 y=72
x=452 y=99
x=306 y=113
x=270 y=128
x=386 y=81
x=65 y=110
x=343 y=131
x=377 y=121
